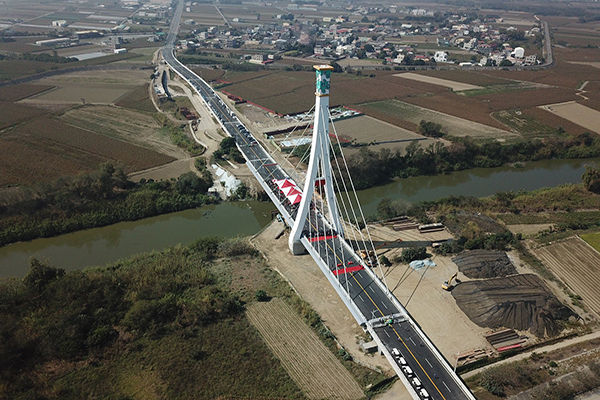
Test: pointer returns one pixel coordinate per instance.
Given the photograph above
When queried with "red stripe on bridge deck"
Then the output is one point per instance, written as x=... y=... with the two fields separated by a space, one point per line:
x=351 y=269
x=269 y=165
x=319 y=238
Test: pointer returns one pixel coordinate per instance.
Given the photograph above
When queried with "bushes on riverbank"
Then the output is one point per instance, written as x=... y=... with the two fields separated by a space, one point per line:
x=96 y=199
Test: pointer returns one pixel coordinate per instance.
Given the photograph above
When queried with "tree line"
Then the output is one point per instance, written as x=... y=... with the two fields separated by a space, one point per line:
x=98 y=198
x=369 y=168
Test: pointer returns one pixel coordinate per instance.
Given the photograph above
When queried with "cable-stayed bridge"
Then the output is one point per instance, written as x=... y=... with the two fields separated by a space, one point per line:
x=320 y=224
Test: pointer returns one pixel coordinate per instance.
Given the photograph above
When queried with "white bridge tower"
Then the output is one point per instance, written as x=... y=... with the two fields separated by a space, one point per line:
x=319 y=167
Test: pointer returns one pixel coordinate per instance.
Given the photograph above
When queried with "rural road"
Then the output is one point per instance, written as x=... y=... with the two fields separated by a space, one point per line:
x=522 y=356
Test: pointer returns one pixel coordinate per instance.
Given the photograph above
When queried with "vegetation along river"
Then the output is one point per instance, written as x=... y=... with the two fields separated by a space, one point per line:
x=100 y=246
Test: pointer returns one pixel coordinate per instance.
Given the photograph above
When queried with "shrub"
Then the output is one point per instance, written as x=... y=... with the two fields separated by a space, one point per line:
x=261 y=295
x=413 y=253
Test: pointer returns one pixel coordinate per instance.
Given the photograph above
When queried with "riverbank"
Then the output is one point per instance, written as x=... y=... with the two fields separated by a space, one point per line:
x=91 y=200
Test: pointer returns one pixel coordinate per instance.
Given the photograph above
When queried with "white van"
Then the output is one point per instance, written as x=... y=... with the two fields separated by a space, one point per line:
x=401 y=360
x=407 y=371
x=424 y=393
x=416 y=382
x=396 y=352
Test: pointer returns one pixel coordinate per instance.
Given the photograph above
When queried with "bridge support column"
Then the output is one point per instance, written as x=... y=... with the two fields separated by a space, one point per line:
x=319 y=167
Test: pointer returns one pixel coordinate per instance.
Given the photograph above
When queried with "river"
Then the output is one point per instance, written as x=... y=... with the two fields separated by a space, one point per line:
x=100 y=246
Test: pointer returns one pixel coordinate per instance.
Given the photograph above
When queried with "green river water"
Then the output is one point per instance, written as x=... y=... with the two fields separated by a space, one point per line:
x=100 y=246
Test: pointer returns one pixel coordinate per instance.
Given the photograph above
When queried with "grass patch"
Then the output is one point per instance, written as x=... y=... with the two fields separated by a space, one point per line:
x=492 y=89
x=517 y=121
x=593 y=239
x=137 y=99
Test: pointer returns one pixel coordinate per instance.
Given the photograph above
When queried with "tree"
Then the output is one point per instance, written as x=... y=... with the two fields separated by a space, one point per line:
x=190 y=183
x=41 y=274
x=412 y=254
x=431 y=129
x=336 y=67
x=591 y=179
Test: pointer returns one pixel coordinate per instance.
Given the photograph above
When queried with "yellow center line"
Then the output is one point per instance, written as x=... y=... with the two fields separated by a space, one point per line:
x=411 y=353
x=395 y=331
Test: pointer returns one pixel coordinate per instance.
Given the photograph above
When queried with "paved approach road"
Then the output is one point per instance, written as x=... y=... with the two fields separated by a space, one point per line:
x=407 y=348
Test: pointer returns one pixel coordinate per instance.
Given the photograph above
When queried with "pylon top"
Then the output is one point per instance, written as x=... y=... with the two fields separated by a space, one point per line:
x=323 y=67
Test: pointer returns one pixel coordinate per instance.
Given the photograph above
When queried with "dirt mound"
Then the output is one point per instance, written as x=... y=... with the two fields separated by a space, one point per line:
x=520 y=302
x=481 y=264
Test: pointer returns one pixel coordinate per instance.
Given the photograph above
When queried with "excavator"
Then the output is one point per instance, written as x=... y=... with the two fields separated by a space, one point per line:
x=370 y=258
x=447 y=285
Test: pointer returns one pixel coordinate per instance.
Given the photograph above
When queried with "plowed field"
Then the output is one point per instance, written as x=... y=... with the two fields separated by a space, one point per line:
x=578 y=265
x=306 y=359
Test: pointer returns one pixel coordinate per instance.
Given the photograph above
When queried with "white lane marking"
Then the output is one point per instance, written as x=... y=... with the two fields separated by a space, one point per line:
x=428 y=362
x=361 y=298
x=371 y=289
x=350 y=283
x=358 y=273
x=386 y=307
x=447 y=386
x=413 y=342
x=388 y=335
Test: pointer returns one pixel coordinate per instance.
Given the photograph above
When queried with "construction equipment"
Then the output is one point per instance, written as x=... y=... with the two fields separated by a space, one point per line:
x=370 y=258
x=448 y=284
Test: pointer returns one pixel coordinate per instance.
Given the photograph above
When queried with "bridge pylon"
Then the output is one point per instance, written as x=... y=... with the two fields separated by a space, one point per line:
x=319 y=167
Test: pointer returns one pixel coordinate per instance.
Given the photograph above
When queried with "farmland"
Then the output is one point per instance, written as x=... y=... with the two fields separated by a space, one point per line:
x=295 y=90
x=578 y=265
x=377 y=134
x=294 y=93
x=593 y=239
x=46 y=148
x=454 y=85
x=127 y=125
x=451 y=125
x=90 y=86
x=13 y=114
x=577 y=113
x=523 y=124
x=468 y=77
x=308 y=362
x=18 y=92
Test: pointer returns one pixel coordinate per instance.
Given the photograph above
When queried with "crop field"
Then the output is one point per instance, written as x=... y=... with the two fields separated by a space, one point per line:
x=294 y=91
x=578 y=114
x=456 y=86
x=46 y=149
x=128 y=125
x=15 y=93
x=306 y=359
x=378 y=134
x=552 y=120
x=593 y=239
x=451 y=125
x=90 y=86
x=203 y=14
x=573 y=38
x=577 y=264
x=478 y=108
x=137 y=99
x=563 y=75
x=13 y=114
x=469 y=77
x=524 y=124
x=580 y=54
x=22 y=45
